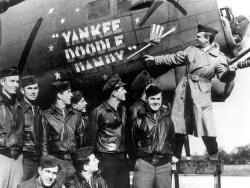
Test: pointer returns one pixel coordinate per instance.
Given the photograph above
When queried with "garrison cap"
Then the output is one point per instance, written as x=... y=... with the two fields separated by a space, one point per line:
x=82 y=153
x=49 y=161
x=60 y=86
x=203 y=28
x=28 y=80
x=113 y=83
x=141 y=81
x=152 y=90
x=77 y=96
x=9 y=72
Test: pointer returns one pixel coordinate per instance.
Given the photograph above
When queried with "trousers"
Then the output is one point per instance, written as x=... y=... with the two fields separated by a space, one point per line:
x=210 y=143
x=11 y=171
x=147 y=175
x=114 y=170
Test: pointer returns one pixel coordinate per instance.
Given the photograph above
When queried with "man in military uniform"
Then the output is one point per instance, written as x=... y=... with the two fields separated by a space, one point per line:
x=63 y=129
x=47 y=174
x=32 y=126
x=79 y=104
x=11 y=130
x=107 y=133
x=154 y=131
x=138 y=88
x=192 y=106
x=87 y=170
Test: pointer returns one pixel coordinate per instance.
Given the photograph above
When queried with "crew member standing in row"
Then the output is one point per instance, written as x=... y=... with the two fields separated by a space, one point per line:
x=11 y=130
x=107 y=133
x=63 y=129
x=32 y=126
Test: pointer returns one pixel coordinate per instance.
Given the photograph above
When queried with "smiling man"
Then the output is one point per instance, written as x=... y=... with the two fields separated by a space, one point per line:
x=32 y=126
x=11 y=130
x=47 y=174
x=154 y=131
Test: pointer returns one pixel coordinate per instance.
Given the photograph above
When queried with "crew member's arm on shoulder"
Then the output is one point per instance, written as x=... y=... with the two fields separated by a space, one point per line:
x=222 y=70
x=93 y=127
x=169 y=59
x=44 y=136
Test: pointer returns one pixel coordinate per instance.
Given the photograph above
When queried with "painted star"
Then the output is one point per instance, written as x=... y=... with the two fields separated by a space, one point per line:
x=77 y=10
x=51 y=48
x=58 y=76
x=62 y=20
x=105 y=77
x=51 y=11
x=53 y=36
x=137 y=20
x=56 y=35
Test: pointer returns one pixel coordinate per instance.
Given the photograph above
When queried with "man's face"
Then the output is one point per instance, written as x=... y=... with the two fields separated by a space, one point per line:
x=120 y=93
x=81 y=105
x=48 y=175
x=155 y=102
x=10 y=84
x=66 y=96
x=202 y=39
x=30 y=92
x=92 y=166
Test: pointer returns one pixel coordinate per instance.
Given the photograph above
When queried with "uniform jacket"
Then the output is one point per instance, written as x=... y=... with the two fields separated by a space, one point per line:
x=154 y=132
x=78 y=181
x=11 y=126
x=62 y=134
x=192 y=106
x=133 y=114
x=32 y=128
x=34 y=183
x=107 y=128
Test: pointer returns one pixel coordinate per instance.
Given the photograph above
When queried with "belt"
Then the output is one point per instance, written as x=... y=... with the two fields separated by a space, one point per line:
x=11 y=152
x=197 y=77
x=156 y=160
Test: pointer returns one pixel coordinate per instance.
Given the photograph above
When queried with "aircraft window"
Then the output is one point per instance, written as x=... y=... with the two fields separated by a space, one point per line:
x=123 y=5
x=98 y=9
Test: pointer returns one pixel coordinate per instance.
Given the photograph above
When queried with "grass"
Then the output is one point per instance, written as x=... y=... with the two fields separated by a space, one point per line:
x=236 y=170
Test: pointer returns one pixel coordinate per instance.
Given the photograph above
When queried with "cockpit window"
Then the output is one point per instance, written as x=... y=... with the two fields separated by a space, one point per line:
x=98 y=9
x=123 y=5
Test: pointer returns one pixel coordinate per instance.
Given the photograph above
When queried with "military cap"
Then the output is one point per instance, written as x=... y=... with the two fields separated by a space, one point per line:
x=82 y=153
x=9 y=72
x=49 y=161
x=152 y=90
x=60 y=86
x=77 y=96
x=141 y=81
x=203 y=28
x=28 y=80
x=113 y=83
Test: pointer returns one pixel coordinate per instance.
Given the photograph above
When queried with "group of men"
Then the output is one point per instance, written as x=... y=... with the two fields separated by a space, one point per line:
x=62 y=146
